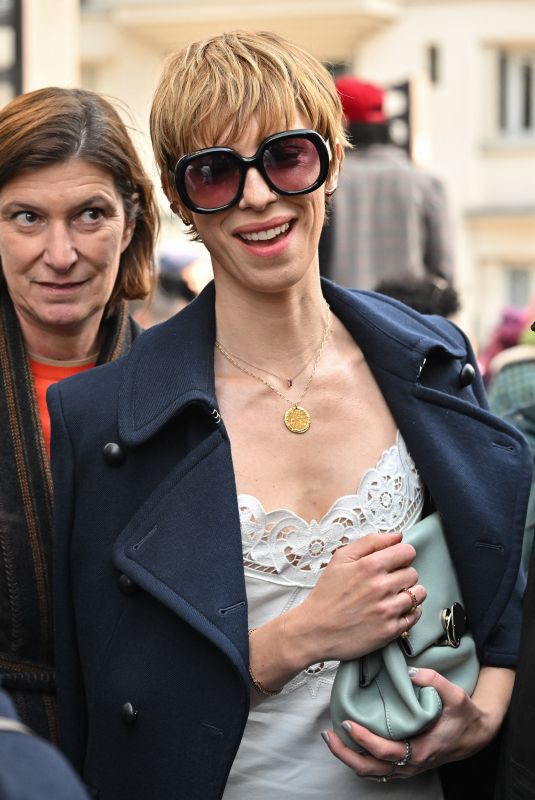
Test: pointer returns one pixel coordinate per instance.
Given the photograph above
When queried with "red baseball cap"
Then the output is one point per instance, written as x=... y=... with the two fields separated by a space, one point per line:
x=361 y=102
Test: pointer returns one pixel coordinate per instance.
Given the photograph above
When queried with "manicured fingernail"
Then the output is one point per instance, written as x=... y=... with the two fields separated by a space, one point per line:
x=325 y=737
x=346 y=726
x=412 y=671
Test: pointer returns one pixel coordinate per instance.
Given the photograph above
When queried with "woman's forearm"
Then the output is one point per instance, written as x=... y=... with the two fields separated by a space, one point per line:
x=492 y=695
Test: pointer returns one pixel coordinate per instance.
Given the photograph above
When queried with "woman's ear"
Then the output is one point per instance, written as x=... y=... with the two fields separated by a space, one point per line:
x=168 y=186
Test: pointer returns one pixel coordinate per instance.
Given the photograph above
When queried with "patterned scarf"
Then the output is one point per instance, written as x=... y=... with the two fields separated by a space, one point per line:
x=26 y=634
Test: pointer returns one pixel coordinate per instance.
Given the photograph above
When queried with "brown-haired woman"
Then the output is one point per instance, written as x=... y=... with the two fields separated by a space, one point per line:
x=77 y=228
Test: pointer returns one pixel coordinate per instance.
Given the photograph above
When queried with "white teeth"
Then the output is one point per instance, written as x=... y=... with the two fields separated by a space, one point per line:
x=262 y=236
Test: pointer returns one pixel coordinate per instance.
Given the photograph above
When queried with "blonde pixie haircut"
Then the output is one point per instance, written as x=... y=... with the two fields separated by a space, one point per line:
x=211 y=90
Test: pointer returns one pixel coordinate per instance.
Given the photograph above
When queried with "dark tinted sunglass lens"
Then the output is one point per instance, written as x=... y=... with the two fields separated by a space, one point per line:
x=212 y=180
x=292 y=164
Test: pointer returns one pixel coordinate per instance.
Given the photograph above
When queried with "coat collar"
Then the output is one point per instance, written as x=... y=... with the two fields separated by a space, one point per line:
x=172 y=364
x=390 y=334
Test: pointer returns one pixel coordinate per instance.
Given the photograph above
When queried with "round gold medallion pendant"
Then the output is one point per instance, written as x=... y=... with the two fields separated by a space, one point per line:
x=297 y=419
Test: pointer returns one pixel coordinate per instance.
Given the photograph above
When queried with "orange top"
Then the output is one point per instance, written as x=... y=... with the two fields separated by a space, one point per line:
x=45 y=373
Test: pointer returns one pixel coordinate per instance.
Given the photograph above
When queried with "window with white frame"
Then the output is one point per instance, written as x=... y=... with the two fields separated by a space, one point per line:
x=518 y=285
x=516 y=93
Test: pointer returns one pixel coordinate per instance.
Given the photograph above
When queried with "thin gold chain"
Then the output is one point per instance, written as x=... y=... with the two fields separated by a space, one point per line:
x=230 y=357
x=289 y=381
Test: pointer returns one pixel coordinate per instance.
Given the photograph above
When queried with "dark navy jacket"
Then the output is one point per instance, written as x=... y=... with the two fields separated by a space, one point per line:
x=30 y=768
x=151 y=607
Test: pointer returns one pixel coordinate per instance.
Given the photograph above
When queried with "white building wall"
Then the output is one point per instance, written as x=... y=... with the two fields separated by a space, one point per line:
x=126 y=69
x=51 y=43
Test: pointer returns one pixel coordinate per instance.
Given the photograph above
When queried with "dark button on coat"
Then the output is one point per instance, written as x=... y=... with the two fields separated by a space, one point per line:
x=127 y=585
x=113 y=454
x=467 y=375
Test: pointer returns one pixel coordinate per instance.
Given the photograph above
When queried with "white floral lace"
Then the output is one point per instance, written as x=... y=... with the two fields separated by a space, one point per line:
x=282 y=547
x=288 y=554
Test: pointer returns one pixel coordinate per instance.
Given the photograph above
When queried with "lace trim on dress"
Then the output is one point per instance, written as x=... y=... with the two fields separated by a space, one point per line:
x=281 y=547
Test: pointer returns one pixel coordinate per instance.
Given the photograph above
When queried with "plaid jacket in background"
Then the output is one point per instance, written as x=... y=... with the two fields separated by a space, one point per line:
x=512 y=382
x=388 y=218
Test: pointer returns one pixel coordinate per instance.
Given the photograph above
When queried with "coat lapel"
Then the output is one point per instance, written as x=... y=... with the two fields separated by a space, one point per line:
x=462 y=450
x=184 y=548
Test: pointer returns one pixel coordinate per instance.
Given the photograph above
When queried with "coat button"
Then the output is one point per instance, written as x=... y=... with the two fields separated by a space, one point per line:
x=127 y=585
x=113 y=454
x=467 y=375
x=128 y=714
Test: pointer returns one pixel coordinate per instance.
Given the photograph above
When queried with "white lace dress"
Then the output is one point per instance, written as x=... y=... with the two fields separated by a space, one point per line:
x=282 y=754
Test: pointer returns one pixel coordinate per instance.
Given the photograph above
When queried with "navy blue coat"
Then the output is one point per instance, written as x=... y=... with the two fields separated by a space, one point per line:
x=30 y=768
x=151 y=620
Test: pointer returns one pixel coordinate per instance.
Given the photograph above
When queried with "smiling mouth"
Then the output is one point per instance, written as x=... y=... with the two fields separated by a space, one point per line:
x=267 y=235
x=58 y=287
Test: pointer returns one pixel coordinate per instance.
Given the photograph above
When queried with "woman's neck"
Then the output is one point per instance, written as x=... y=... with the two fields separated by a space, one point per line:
x=61 y=343
x=274 y=331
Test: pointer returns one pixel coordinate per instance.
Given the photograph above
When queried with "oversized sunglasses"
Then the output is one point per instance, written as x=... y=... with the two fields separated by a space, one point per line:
x=291 y=162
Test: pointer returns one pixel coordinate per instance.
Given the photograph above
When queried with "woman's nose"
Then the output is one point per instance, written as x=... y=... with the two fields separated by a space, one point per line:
x=256 y=193
x=60 y=253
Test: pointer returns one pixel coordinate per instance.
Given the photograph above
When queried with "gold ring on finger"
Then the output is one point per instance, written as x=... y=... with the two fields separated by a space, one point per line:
x=405 y=634
x=414 y=599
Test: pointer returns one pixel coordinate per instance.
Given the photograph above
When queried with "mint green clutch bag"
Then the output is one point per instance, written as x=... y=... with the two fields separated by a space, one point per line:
x=376 y=690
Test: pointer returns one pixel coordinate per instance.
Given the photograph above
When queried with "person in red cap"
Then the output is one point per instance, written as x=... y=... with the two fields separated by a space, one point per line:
x=388 y=216
x=362 y=102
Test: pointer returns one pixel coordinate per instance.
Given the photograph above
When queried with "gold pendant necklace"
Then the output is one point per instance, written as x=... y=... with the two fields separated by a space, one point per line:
x=296 y=418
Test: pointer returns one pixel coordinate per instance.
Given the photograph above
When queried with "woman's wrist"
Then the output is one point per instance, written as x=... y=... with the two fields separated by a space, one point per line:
x=276 y=654
x=492 y=696
x=255 y=682
x=295 y=640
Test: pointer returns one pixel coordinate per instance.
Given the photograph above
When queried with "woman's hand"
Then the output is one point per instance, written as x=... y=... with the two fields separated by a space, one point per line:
x=360 y=603
x=464 y=727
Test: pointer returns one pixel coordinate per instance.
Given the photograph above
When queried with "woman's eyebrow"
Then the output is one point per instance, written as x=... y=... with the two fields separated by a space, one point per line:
x=14 y=206
x=95 y=199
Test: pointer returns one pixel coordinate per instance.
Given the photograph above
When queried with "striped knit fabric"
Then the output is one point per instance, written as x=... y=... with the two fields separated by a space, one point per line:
x=26 y=635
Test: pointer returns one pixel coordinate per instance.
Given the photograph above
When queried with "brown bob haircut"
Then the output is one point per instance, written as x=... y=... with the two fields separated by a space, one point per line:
x=210 y=91
x=51 y=126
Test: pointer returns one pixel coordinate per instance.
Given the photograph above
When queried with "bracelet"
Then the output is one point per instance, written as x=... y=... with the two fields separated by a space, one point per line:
x=256 y=683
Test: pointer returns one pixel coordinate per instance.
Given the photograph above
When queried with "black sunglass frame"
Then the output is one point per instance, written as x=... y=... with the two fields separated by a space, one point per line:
x=256 y=161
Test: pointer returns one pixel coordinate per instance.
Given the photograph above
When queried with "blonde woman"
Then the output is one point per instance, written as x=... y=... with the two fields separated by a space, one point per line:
x=211 y=511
